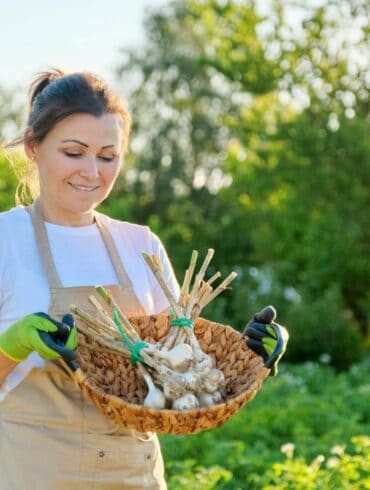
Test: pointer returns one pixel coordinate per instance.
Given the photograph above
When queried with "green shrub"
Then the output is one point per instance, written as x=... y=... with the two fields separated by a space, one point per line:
x=321 y=328
x=310 y=406
x=340 y=470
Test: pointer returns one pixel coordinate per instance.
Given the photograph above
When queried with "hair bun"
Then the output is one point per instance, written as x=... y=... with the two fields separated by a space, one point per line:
x=42 y=80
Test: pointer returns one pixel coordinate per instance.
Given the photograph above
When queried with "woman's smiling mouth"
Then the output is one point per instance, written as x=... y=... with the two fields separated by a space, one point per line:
x=83 y=188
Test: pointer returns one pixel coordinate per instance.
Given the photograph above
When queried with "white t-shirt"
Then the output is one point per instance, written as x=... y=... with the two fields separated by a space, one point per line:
x=81 y=259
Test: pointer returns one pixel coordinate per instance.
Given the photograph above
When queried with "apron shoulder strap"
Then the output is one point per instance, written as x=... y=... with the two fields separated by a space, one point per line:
x=43 y=245
x=112 y=250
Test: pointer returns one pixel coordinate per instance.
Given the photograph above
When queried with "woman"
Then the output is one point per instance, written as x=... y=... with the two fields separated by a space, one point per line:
x=51 y=255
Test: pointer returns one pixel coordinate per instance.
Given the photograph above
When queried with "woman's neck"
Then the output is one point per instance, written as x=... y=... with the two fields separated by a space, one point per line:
x=65 y=217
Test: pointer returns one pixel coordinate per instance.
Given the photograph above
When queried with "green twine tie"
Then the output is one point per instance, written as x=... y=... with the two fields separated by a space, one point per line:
x=182 y=322
x=135 y=356
x=133 y=348
x=172 y=314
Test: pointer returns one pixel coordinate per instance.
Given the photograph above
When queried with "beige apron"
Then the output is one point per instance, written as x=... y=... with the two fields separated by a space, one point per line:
x=51 y=437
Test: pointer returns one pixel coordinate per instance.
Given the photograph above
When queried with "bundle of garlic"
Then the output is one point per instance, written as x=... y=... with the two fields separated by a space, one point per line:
x=195 y=381
x=178 y=374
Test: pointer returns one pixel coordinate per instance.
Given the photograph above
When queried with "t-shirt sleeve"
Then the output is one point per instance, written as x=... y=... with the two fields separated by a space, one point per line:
x=3 y=261
x=159 y=298
x=5 y=272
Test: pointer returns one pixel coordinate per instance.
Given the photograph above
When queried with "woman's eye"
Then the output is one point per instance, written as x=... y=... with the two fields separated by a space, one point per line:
x=106 y=159
x=72 y=154
x=76 y=155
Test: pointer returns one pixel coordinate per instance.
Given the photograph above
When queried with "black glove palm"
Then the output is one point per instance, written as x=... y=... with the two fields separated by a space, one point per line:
x=267 y=338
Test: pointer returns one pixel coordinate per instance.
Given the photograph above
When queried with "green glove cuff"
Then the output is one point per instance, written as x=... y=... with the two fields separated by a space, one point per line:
x=282 y=336
x=72 y=340
x=22 y=338
x=6 y=354
x=269 y=344
x=270 y=329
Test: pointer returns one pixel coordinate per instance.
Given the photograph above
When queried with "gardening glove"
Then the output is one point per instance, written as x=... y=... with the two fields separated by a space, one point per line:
x=267 y=338
x=39 y=332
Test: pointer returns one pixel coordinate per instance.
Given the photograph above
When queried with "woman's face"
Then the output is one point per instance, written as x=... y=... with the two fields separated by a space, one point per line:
x=78 y=162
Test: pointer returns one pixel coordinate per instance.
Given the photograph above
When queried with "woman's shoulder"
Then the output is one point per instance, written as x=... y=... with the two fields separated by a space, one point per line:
x=14 y=226
x=125 y=226
x=133 y=232
x=15 y=217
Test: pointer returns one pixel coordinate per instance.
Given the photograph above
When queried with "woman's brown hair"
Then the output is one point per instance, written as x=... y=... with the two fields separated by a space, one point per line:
x=55 y=95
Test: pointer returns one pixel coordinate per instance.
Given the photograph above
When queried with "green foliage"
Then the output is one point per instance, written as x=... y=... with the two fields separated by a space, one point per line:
x=8 y=184
x=312 y=224
x=250 y=138
x=326 y=330
x=10 y=113
x=306 y=411
x=192 y=475
x=347 y=471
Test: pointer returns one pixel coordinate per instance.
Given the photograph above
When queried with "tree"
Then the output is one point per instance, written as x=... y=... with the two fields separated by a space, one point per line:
x=9 y=124
x=303 y=176
x=250 y=135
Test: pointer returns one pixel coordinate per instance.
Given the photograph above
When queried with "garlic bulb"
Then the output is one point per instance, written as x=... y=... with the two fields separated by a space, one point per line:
x=209 y=386
x=186 y=402
x=201 y=359
x=217 y=397
x=155 y=397
x=205 y=399
x=189 y=380
x=204 y=361
x=208 y=399
x=176 y=385
x=178 y=358
x=172 y=389
x=216 y=376
x=213 y=380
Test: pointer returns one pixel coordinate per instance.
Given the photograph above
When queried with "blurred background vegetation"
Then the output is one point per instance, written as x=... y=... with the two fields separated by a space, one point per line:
x=251 y=136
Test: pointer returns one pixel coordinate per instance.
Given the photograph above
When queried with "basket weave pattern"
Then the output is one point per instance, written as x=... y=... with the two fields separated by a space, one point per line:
x=115 y=386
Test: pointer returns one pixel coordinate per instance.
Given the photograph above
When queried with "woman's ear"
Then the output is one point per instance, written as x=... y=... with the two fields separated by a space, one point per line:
x=30 y=146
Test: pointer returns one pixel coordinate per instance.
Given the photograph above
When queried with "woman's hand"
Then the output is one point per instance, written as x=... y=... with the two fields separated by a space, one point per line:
x=267 y=338
x=41 y=333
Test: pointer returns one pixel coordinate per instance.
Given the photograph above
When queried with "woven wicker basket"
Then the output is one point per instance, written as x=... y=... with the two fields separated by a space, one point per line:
x=114 y=385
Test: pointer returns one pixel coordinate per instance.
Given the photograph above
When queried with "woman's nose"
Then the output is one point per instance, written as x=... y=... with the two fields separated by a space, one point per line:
x=89 y=168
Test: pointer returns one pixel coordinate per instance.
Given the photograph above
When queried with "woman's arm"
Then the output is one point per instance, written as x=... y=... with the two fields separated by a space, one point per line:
x=6 y=365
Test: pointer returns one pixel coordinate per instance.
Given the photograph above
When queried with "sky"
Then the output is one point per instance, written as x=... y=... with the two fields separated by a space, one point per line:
x=71 y=34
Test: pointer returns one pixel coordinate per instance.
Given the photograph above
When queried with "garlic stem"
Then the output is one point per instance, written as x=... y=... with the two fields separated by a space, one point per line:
x=158 y=262
x=214 y=277
x=108 y=298
x=221 y=287
x=159 y=276
x=187 y=279
x=198 y=280
x=102 y=312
